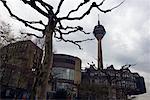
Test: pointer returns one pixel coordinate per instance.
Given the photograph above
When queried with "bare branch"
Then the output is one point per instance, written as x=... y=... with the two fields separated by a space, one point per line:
x=77 y=18
x=65 y=28
x=118 y=5
x=71 y=41
x=33 y=5
x=79 y=41
x=58 y=9
x=94 y=5
x=19 y=19
x=61 y=38
x=73 y=29
x=102 y=3
x=109 y=10
x=58 y=30
x=45 y=4
x=48 y=7
x=85 y=32
x=81 y=4
x=36 y=22
x=30 y=34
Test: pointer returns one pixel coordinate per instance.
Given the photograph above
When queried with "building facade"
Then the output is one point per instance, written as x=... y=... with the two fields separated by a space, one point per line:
x=66 y=72
x=17 y=62
x=110 y=84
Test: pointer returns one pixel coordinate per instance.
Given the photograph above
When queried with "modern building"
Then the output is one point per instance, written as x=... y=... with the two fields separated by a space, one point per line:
x=66 y=72
x=140 y=85
x=17 y=62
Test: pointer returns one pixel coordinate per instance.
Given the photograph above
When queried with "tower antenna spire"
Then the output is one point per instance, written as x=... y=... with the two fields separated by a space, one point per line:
x=98 y=20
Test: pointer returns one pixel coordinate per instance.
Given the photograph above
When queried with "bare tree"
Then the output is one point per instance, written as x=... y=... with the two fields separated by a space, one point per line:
x=5 y=34
x=54 y=27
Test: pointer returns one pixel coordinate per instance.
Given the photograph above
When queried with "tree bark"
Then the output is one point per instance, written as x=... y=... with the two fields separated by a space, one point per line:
x=47 y=63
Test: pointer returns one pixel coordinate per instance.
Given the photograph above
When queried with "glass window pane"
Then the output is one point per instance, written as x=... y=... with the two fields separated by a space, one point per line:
x=63 y=73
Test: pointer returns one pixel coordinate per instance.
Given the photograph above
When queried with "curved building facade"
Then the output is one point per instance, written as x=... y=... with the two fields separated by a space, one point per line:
x=66 y=72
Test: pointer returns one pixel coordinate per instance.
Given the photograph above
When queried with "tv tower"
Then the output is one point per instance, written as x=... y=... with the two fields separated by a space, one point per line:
x=99 y=32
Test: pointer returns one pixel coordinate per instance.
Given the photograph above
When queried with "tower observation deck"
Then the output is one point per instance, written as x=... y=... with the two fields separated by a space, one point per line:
x=99 y=32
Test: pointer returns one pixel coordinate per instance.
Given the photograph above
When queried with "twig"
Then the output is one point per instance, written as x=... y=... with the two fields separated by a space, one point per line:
x=58 y=9
x=30 y=34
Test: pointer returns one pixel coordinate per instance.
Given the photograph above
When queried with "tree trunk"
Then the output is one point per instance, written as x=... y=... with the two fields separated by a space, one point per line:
x=47 y=63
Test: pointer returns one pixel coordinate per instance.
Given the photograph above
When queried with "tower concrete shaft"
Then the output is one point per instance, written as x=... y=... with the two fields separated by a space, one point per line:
x=100 y=57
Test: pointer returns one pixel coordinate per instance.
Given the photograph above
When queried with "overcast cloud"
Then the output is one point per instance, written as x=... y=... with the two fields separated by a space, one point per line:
x=127 y=40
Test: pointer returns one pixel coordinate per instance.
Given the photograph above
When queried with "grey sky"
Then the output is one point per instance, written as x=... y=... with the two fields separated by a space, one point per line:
x=127 y=39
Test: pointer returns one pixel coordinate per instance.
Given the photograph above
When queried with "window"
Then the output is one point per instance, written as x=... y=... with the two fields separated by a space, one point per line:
x=64 y=60
x=6 y=76
x=1 y=72
x=63 y=73
x=96 y=81
x=70 y=61
x=92 y=74
x=13 y=81
x=64 y=86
